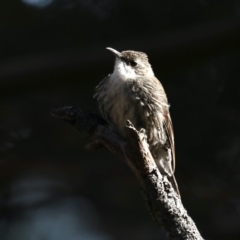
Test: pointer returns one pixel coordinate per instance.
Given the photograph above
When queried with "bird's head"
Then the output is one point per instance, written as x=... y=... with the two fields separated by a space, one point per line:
x=131 y=64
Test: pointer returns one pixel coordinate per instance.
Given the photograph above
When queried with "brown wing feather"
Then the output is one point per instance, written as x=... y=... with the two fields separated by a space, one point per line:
x=170 y=137
x=153 y=94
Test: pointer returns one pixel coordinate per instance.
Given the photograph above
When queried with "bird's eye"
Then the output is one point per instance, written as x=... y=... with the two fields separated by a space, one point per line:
x=133 y=63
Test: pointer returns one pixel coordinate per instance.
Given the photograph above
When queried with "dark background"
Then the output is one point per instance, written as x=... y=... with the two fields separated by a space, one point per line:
x=52 y=54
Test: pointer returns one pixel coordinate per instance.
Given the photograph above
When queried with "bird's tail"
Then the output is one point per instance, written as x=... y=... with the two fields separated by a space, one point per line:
x=173 y=181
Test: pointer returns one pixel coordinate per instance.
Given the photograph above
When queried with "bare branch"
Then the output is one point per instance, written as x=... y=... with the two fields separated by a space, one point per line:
x=164 y=204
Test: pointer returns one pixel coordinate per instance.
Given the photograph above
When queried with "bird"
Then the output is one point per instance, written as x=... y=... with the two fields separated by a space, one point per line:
x=132 y=92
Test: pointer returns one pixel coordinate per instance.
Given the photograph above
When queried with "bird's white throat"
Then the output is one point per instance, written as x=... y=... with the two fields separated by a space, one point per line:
x=123 y=71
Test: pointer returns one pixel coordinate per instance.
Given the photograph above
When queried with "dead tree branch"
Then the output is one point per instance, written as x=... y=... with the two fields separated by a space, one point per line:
x=165 y=206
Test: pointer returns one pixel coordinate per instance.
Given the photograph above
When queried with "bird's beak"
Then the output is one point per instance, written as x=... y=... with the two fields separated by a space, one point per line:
x=115 y=52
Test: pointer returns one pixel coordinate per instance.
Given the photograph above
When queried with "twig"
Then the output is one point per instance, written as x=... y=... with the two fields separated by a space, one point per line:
x=164 y=204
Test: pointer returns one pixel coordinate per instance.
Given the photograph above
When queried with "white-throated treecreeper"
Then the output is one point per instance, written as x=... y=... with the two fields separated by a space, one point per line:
x=132 y=92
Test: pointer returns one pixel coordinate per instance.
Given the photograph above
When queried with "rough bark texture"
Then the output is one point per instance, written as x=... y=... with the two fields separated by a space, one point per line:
x=165 y=206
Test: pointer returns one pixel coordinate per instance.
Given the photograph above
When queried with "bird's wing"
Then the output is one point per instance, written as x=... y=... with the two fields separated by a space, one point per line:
x=158 y=96
x=170 y=136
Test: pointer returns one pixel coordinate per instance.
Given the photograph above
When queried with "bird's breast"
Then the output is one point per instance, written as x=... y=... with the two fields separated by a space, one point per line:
x=119 y=105
x=124 y=100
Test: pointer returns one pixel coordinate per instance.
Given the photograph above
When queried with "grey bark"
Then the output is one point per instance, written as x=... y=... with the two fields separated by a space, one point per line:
x=164 y=204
